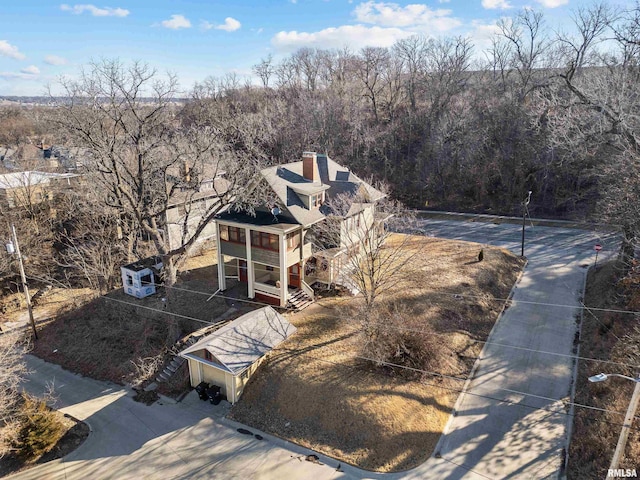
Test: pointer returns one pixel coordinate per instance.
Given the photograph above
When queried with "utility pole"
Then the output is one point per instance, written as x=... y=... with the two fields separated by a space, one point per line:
x=524 y=214
x=25 y=288
x=628 y=420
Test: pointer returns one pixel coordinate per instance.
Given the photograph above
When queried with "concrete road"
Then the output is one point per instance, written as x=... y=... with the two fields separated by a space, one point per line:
x=512 y=422
x=162 y=441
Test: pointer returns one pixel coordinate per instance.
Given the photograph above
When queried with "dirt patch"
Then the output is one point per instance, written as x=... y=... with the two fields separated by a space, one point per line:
x=605 y=336
x=314 y=391
x=76 y=433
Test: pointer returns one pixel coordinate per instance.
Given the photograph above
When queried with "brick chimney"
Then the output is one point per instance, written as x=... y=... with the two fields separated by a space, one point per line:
x=310 y=166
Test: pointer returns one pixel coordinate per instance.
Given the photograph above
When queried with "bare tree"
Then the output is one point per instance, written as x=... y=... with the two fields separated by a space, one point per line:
x=12 y=349
x=143 y=156
x=375 y=254
x=264 y=70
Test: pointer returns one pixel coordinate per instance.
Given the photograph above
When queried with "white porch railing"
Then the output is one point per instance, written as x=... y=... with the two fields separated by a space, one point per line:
x=268 y=289
x=307 y=289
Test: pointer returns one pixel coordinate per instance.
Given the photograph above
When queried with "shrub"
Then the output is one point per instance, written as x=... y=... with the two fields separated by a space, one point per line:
x=391 y=334
x=40 y=429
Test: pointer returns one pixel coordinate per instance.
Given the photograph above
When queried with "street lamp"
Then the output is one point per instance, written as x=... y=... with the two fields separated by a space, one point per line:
x=628 y=419
x=524 y=212
x=13 y=248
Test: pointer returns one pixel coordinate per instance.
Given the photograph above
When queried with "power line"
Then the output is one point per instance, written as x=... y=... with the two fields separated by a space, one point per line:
x=505 y=400
x=509 y=390
x=497 y=344
x=577 y=357
x=144 y=307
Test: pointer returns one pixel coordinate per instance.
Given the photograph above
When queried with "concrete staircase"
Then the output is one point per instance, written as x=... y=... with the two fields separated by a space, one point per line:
x=176 y=361
x=299 y=300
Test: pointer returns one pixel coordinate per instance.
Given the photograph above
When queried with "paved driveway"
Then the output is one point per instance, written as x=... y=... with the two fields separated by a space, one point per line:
x=512 y=422
x=162 y=441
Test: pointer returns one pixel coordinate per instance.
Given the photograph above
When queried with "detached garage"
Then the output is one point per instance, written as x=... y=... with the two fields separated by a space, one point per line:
x=230 y=355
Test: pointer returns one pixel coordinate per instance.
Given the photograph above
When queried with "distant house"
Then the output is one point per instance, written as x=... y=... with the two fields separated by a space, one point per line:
x=229 y=356
x=188 y=208
x=271 y=249
x=26 y=189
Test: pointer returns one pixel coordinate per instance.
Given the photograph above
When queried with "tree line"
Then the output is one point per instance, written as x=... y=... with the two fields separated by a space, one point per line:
x=445 y=125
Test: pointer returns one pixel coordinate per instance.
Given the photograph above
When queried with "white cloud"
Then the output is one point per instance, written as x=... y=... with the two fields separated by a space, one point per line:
x=482 y=35
x=21 y=76
x=552 y=3
x=394 y=15
x=95 y=11
x=230 y=25
x=176 y=22
x=31 y=70
x=354 y=36
x=8 y=50
x=495 y=4
x=55 y=60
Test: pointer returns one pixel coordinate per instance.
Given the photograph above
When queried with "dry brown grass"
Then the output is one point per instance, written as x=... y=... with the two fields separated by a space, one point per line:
x=313 y=391
x=595 y=434
x=105 y=338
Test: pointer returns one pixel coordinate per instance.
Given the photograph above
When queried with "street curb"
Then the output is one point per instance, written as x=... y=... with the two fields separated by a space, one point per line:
x=562 y=475
x=476 y=365
x=325 y=460
x=545 y=222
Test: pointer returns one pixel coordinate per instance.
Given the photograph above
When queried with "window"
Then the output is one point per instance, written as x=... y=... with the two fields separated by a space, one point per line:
x=268 y=241
x=232 y=234
x=293 y=240
x=316 y=200
x=146 y=280
x=208 y=356
x=129 y=280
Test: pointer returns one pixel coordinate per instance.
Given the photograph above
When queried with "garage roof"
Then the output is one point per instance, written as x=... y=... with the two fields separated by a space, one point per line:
x=244 y=341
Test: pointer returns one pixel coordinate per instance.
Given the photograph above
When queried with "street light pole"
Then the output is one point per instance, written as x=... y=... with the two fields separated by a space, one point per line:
x=524 y=212
x=25 y=288
x=628 y=419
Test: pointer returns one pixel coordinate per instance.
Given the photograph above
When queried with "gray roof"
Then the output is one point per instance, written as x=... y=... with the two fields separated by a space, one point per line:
x=239 y=344
x=287 y=181
x=30 y=178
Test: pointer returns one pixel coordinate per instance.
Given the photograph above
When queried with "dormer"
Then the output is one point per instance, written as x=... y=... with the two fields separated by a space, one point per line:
x=311 y=195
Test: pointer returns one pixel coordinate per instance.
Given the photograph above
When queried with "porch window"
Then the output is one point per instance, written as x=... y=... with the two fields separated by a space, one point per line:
x=232 y=234
x=293 y=240
x=267 y=241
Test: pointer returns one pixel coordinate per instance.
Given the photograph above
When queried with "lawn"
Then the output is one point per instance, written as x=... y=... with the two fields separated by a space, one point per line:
x=103 y=337
x=314 y=391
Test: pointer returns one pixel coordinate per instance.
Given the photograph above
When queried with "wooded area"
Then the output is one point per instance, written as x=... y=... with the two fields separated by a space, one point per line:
x=444 y=124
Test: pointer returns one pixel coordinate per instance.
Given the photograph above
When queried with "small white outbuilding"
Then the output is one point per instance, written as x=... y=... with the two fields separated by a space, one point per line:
x=140 y=278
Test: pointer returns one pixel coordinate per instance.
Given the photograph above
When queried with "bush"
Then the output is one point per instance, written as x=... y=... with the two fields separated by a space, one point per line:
x=40 y=430
x=391 y=334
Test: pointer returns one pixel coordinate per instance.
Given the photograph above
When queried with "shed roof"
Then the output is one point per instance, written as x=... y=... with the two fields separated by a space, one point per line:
x=241 y=343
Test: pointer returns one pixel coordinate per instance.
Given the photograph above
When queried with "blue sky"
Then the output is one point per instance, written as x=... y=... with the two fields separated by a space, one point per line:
x=41 y=40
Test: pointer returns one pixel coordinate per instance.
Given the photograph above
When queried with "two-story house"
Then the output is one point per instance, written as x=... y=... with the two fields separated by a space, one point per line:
x=274 y=250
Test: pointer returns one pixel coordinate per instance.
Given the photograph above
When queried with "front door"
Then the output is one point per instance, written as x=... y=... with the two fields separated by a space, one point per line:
x=242 y=270
x=294 y=275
